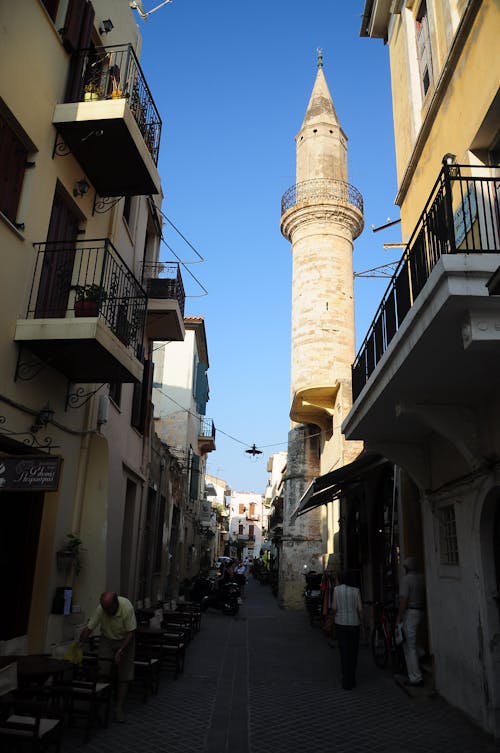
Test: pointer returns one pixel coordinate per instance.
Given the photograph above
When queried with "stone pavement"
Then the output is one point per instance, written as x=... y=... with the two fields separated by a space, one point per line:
x=266 y=681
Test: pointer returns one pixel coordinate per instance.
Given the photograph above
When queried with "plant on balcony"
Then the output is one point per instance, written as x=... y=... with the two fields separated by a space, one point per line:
x=88 y=298
x=92 y=91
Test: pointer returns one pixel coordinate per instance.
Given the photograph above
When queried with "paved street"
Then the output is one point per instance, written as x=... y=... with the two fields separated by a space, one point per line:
x=267 y=681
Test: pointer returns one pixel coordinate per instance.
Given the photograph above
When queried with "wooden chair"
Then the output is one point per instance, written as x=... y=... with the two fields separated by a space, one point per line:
x=85 y=698
x=192 y=609
x=147 y=666
x=171 y=648
x=29 y=726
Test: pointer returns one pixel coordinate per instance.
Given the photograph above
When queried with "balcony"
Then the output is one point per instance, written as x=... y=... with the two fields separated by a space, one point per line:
x=328 y=194
x=434 y=340
x=165 y=289
x=206 y=436
x=110 y=123
x=86 y=312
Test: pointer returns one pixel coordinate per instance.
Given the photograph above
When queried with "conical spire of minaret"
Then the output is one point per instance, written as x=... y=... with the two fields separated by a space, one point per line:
x=320 y=108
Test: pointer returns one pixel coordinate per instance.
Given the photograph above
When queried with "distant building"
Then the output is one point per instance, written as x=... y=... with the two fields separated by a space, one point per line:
x=245 y=524
x=180 y=396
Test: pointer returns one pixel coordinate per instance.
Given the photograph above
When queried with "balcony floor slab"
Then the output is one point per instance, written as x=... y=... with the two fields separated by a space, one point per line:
x=84 y=350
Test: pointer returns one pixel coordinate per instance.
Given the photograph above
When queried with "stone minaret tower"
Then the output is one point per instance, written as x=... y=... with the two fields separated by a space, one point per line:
x=321 y=216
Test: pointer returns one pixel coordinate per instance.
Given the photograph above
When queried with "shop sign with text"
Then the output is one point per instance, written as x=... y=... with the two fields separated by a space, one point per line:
x=23 y=473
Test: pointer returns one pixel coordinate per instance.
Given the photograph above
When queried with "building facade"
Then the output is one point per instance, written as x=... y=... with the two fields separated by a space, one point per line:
x=425 y=377
x=180 y=396
x=79 y=240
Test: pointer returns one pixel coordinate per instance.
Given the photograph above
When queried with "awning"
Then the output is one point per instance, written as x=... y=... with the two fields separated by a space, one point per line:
x=330 y=486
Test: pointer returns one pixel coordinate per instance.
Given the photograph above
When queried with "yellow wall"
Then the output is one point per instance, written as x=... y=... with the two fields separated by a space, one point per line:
x=473 y=85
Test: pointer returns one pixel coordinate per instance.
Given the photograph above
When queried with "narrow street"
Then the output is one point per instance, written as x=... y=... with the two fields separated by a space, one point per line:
x=267 y=681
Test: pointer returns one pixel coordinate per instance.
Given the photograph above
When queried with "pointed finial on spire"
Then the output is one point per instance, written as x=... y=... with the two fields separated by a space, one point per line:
x=319 y=52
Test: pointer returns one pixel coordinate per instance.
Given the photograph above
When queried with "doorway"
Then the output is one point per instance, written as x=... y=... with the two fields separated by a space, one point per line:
x=19 y=535
x=58 y=258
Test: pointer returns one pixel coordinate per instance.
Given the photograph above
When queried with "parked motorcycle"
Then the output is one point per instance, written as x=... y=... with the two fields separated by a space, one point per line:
x=226 y=597
x=313 y=596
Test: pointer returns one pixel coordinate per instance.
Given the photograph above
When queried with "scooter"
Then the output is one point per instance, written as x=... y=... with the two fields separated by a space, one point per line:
x=226 y=597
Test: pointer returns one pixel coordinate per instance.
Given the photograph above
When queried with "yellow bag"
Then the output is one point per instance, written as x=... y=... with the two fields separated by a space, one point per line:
x=74 y=654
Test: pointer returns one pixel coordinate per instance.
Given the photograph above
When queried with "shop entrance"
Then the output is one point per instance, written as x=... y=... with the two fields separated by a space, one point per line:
x=19 y=535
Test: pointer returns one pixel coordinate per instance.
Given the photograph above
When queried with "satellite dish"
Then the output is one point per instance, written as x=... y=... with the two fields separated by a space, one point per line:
x=139 y=7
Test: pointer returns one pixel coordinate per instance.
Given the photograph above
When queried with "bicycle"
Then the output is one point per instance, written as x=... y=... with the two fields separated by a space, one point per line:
x=383 y=641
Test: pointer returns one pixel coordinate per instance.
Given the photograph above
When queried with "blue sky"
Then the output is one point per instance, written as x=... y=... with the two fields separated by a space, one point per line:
x=232 y=81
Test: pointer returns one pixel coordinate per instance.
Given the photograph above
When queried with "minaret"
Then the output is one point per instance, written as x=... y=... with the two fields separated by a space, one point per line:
x=321 y=216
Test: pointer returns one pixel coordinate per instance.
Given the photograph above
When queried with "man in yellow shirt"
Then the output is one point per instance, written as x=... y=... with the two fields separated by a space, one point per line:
x=116 y=617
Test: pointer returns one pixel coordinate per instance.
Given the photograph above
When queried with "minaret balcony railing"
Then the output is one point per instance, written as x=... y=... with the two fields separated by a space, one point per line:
x=459 y=217
x=321 y=189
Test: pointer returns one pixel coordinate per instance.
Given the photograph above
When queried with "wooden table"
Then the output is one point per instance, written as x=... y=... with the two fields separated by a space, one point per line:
x=36 y=669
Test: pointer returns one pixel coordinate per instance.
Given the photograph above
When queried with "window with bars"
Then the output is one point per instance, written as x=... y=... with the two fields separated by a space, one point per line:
x=448 y=541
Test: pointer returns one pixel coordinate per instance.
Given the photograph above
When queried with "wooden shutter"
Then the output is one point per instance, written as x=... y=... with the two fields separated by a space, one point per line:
x=75 y=82
x=58 y=260
x=73 y=24
x=142 y=398
x=13 y=156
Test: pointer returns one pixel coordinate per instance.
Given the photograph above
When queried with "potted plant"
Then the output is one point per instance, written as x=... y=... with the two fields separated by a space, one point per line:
x=92 y=91
x=69 y=555
x=88 y=299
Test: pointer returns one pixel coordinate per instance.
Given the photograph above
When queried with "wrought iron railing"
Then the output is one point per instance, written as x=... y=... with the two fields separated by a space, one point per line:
x=321 y=188
x=113 y=73
x=164 y=280
x=88 y=278
x=207 y=428
x=462 y=215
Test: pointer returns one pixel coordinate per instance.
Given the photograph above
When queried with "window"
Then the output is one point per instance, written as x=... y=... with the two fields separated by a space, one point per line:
x=115 y=393
x=424 y=48
x=448 y=542
x=240 y=529
x=242 y=508
x=51 y=7
x=127 y=207
x=13 y=158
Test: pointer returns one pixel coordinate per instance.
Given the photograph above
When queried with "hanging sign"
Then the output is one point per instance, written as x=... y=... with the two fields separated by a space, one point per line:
x=22 y=473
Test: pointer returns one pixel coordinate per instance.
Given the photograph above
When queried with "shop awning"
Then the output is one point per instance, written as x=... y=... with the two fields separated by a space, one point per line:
x=330 y=486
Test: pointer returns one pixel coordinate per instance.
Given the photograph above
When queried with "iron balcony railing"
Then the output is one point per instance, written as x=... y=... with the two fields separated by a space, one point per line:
x=462 y=215
x=207 y=428
x=321 y=188
x=164 y=280
x=113 y=73
x=88 y=278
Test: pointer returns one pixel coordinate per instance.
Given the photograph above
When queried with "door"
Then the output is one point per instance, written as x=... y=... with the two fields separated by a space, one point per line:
x=19 y=534
x=58 y=258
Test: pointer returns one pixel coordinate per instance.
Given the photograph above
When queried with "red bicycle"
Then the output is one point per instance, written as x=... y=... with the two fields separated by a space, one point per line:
x=383 y=640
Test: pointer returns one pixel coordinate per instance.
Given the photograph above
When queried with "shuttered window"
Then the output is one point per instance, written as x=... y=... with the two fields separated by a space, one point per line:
x=424 y=48
x=51 y=7
x=142 y=399
x=13 y=154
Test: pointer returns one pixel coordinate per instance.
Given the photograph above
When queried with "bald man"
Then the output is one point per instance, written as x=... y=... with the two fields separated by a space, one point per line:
x=115 y=616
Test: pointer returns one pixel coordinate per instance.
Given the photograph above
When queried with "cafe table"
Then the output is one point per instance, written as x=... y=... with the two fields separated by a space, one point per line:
x=36 y=669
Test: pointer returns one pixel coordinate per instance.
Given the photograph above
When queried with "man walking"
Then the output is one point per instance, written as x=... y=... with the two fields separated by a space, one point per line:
x=411 y=613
